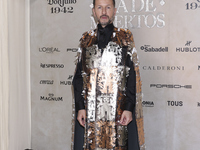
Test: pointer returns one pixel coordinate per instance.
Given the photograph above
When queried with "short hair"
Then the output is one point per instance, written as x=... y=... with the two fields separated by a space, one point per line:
x=95 y=1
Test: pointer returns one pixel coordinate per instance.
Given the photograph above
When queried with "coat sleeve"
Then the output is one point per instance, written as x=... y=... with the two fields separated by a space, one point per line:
x=78 y=87
x=130 y=86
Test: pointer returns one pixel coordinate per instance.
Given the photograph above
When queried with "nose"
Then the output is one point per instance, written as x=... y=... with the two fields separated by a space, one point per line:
x=104 y=11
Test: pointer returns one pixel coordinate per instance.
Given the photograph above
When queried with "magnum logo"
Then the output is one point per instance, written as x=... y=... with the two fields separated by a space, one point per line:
x=51 y=97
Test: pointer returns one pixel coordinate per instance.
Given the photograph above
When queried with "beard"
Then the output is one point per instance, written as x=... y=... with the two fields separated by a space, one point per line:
x=110 y=20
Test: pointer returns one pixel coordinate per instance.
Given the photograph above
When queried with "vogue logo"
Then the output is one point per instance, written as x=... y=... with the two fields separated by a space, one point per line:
x=148 y=48
x=171 y=86
x=52 y=65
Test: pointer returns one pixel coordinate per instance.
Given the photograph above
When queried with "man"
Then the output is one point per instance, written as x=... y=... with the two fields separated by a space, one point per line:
x=105 y=86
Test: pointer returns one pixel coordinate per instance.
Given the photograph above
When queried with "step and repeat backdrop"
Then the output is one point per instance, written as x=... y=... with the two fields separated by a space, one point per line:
x=167 y=39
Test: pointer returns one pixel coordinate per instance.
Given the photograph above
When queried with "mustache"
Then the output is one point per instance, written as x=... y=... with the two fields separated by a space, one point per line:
x=104 y=16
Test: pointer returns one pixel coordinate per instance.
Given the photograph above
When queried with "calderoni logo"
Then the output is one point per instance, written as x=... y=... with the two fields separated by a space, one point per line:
x=46 y=82
x=170 y=86
x=188 y=48
x=175 y=103
x=160 y=68
x=61 y=3
x=51 y=97
x=148 y=48
x=48 y=50
x=51 y=65
x=148 y=104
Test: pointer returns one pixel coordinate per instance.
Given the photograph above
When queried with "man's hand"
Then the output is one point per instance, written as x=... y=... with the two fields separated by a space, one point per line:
x=126 y=117
x=81 y=117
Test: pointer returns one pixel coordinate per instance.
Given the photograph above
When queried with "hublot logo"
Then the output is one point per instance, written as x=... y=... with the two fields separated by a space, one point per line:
x=170 y=86
x=160 y=68
x=67 y=82
x=188 y=48
x=148 y=48
x=52 y=65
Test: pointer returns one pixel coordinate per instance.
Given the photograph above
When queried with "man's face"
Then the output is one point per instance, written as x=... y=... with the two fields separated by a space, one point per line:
x=104 y=11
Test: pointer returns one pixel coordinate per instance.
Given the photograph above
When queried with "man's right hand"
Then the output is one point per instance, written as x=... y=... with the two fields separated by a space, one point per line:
x=81 y=117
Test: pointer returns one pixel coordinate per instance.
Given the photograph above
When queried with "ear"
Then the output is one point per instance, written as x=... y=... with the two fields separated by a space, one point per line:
x=115 y=11
x=93 y=11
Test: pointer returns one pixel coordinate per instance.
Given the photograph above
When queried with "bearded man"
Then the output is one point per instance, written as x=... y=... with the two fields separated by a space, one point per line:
x=107 y=87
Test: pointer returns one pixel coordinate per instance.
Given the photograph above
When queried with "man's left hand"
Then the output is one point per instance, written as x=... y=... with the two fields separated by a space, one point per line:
x=126 y=117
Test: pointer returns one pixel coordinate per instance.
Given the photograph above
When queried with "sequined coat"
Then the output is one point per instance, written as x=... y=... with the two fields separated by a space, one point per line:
x=105 y=77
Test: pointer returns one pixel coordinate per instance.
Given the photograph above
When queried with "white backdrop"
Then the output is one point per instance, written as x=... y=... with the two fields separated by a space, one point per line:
x=166 y=35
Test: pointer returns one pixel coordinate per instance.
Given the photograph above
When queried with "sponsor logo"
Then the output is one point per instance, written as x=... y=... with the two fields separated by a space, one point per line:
x=51 y=97
x=148 y=104
x=61 y=3
x=51 y=65
x=46 y=81
x=188 y=48
x=193 y=5
x=60 y=6
x=72 y=50
x=148 y=48
x=48 y=49
x=160 y=68
x=58 y=10
x=175 y=103
x=198 y=67
x=170 y=86
x=65 y=82
x=69 y=82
